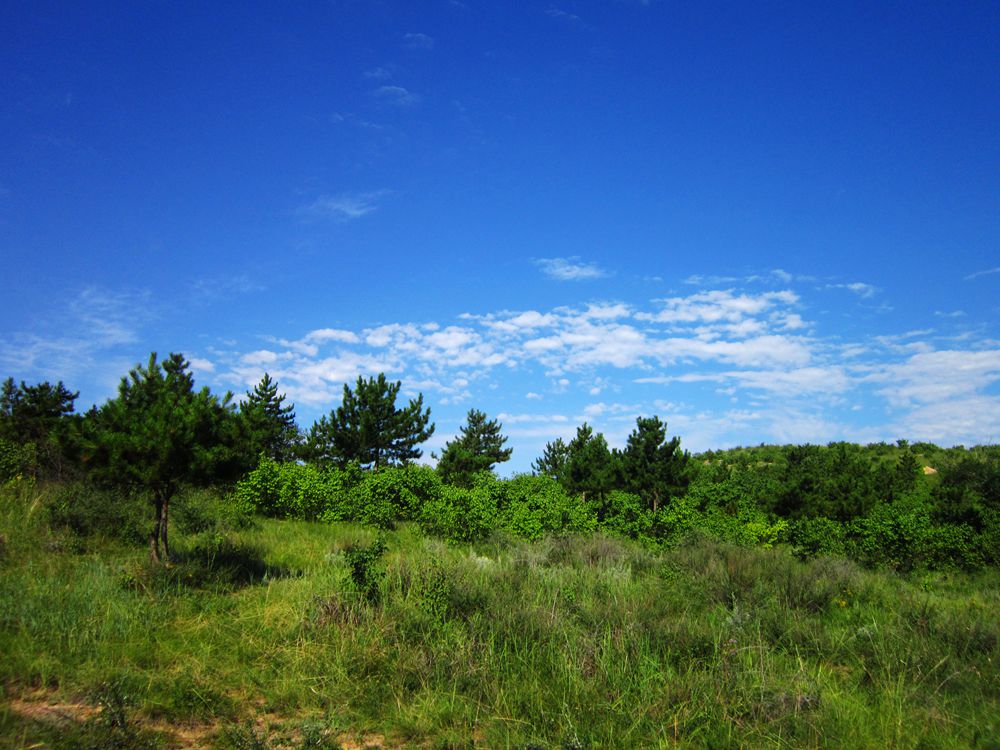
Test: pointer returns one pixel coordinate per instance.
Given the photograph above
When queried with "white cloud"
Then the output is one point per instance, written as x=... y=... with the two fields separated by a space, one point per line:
x=760 y=351
x=939 y=377
x=342 y=207
x=865 y=291
x=396 y=96
x=716 y=306
x=379 y=73
x=570 y=269
x=967 y=421
x=978 y=274
x=201 y=365
x=418 y=41
x=325 y=335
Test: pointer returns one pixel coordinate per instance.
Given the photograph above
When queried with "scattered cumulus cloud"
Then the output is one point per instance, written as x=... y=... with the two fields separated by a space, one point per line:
x=721 y=364
x=756 y=350
x=200 y=365
x=324 y=335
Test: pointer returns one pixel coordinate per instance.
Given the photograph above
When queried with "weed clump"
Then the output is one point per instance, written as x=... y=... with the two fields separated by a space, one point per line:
x=366 y=570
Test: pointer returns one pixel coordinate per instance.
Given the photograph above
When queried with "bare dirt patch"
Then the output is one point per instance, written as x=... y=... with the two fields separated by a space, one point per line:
x=43 y=708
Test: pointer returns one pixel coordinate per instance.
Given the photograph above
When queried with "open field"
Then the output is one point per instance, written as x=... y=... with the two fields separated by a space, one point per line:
x=262 y=637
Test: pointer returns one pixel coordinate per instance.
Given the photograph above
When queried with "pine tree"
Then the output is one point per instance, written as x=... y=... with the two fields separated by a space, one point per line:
x=478 y=448
x=40 y=419
x=269 y=426
x=584 y=465
x=158 y=433
x=368 y=429
x=552 y=462
x=590 y=465
x=652 y=466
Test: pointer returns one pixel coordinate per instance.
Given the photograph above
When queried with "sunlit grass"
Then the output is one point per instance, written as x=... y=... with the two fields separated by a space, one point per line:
x=576 y=642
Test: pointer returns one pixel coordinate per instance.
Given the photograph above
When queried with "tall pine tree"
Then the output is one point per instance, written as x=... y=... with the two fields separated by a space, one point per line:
x=478 y=448
x=652 y=466
x=160 y=433
x=269 y=426
x=367 y=428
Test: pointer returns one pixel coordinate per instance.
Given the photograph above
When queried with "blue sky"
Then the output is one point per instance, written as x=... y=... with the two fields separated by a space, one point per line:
x=764 y=222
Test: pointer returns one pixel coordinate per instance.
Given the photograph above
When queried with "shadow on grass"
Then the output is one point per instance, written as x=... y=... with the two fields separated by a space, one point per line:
x=216 y=564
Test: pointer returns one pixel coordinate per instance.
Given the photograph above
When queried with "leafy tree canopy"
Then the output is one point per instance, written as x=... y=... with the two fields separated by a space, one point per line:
x=368 y=429
x=478 y=448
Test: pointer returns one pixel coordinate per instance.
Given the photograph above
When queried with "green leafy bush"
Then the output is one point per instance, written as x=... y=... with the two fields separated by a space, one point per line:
x=290 y=490
x=892 y=535
x=743 y=523
x=532 y=506
x=817 y=537
x=461 y=514
x=17 y=460
x=624 y=514
x=366 y=571
x=392 y=494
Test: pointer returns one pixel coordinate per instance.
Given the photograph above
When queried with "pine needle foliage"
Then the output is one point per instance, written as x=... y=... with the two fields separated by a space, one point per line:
x=268 y=423
x=369 y=429
x=159 y=433
x=478 y=448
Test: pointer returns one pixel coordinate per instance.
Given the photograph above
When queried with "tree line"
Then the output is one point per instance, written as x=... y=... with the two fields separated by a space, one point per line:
x=880 y=503
x=160 y=432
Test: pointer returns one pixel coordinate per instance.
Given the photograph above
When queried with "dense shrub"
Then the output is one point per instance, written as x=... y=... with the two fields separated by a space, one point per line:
x=890 y=535
x=16 y=460
x=460 y=514
x=733 y=502
x=290 y=490
x=533 y=506
x=528 y=507
x=366 y=570
x=624 y=514
x=381 y=498
x=817 y=537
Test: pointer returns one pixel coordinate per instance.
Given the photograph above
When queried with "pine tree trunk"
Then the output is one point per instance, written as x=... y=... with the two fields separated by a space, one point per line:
x=154 y=536
x=163 y=528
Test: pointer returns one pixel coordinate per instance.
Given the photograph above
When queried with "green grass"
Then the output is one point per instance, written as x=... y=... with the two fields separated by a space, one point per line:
x=564 y=643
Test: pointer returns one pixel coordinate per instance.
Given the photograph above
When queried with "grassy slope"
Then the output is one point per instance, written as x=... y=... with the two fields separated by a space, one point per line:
x=564 y=643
